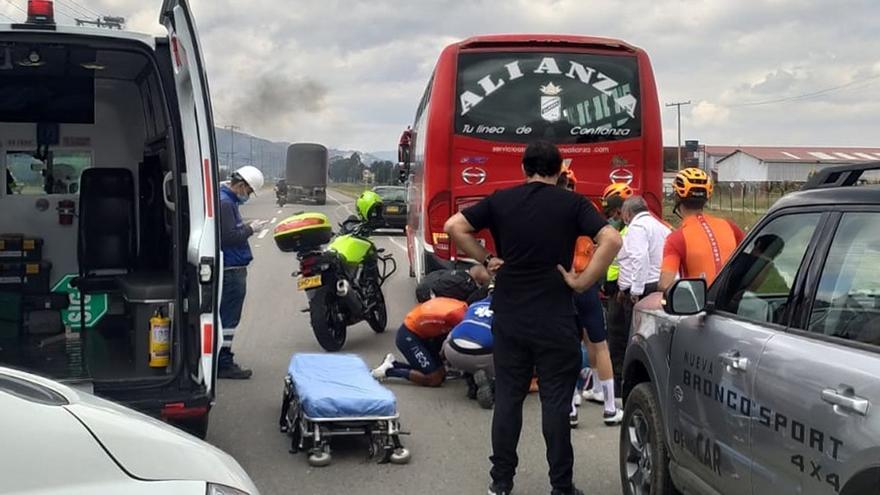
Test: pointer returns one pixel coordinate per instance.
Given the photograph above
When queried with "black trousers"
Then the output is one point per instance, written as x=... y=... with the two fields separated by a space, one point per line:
x=618 y=332
x=551 y=346
x=628 y=305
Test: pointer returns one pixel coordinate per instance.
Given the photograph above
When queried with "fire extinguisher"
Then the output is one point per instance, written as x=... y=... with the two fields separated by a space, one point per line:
x=160 y=340
x=66 y=211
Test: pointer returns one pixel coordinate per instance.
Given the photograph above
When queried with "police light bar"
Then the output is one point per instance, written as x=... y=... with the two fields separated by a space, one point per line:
x=41 y=12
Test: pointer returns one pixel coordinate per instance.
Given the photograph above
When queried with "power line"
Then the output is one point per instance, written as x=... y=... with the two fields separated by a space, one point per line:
x=89 y=12
x=805 y=96
x=6 y=16
x=10 y=2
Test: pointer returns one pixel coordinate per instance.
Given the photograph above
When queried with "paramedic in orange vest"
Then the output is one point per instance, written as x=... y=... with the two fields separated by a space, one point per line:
x=703 y=243
x=420 y=340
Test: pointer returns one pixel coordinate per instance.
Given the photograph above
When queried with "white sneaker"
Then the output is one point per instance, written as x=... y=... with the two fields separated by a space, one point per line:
x=577 y=400
x=613 y=418
x=379 y=372
x=593 y=396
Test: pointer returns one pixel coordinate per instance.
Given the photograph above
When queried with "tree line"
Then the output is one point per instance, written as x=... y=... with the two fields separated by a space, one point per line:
x=351 y=170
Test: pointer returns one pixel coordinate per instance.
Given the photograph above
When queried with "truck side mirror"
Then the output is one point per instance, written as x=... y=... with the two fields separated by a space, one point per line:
x=686 y=297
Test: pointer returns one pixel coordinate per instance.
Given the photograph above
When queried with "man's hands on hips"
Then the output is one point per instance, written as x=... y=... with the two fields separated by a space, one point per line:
x=494 y=265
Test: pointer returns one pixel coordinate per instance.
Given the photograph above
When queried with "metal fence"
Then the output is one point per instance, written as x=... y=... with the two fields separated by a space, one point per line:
x=756 y=197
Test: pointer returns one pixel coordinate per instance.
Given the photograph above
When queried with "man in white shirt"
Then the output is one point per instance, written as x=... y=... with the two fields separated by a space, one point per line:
x=641 y=255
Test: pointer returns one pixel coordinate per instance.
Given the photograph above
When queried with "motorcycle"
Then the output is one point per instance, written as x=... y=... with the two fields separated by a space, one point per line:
x=343 y=283
x=280 y=194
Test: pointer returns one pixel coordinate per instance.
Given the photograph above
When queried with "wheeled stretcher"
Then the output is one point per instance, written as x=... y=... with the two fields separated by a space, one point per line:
x=328 y=395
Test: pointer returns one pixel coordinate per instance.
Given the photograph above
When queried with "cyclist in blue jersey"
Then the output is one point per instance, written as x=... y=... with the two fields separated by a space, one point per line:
x=469 y=349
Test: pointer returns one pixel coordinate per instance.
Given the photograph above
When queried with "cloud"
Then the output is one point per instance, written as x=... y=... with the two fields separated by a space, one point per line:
x=350 y=73
x=706 y=114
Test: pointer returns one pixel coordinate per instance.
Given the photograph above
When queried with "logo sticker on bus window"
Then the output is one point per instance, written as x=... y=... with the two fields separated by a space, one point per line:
x=551 y=102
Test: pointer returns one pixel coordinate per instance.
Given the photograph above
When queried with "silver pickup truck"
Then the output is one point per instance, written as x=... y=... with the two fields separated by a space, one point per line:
x=764 y=383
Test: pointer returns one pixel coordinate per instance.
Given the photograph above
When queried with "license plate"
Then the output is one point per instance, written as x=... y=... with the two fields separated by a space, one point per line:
x=308 y=282
x=393 y=209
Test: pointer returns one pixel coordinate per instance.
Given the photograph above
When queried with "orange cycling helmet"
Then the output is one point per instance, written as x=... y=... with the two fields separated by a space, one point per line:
x=692 y=183
x=616 y=189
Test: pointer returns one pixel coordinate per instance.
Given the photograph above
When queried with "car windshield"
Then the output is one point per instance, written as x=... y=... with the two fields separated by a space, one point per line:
x=391 y=193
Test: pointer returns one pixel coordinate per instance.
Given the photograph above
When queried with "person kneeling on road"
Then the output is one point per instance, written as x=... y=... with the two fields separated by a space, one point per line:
x=469 y=350
x=420 y=340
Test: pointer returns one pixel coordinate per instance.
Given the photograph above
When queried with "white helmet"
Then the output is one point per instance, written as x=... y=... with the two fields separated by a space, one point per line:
x=252 y=176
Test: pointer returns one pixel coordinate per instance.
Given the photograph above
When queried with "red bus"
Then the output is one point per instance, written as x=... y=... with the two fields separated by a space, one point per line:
x=491 y=95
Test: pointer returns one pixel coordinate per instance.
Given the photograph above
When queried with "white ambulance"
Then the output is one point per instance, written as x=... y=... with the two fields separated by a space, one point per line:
x=109 y=247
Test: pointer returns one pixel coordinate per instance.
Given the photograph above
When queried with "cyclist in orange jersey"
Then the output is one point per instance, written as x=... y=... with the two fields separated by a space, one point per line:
x=420 y=340
x=700 y=247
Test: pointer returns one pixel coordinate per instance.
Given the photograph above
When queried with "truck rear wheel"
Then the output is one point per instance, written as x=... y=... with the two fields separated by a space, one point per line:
x=644 y=453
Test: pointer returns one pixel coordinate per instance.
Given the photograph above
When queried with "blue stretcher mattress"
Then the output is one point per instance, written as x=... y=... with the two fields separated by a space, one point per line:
x=339 y=386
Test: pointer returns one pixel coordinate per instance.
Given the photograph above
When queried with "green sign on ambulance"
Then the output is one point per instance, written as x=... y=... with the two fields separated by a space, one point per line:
x=95 y=304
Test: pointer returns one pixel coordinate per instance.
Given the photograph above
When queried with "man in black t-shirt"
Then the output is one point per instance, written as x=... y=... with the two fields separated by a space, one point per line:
x=534 y=227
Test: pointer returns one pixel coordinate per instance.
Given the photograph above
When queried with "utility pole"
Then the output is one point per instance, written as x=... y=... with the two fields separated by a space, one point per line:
x=232 y=128
x=678 y=105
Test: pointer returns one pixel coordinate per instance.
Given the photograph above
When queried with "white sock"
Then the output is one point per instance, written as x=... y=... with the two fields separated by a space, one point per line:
x=597 y=383
x=573 y=407
x=608 y=390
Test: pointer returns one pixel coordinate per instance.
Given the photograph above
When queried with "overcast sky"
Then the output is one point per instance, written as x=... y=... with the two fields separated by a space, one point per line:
x=350 y=73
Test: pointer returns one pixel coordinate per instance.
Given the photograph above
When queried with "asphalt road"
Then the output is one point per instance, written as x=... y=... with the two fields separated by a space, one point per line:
x=450 y=434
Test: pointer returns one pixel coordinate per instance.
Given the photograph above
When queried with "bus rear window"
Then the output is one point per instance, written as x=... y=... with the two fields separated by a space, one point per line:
x=561 y=97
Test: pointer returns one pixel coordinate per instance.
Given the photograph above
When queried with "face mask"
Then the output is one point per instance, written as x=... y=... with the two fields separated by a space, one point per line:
x=616 y=223
x=243 y=198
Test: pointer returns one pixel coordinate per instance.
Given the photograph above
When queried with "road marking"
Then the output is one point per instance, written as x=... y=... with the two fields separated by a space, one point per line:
x=398 y=244
x=280 y=211
x=348 y=208
x=273 y=220
x=263 y=234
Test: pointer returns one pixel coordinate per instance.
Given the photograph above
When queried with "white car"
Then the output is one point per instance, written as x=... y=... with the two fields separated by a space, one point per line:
x=57 y=440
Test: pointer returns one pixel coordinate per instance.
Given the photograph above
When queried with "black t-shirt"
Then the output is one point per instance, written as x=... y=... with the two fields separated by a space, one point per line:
x=535 y=227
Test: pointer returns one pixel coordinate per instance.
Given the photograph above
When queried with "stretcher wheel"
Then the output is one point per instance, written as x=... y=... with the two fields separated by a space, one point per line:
x=320 y=459
x=400 y=456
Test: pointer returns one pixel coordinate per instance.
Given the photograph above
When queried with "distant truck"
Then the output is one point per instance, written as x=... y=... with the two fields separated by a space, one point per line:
x=306 y=175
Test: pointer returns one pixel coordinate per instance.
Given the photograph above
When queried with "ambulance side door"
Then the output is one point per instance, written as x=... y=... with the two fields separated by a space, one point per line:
x=200 y=151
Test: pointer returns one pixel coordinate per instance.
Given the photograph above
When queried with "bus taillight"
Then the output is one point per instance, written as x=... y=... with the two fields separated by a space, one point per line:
x=438 y=213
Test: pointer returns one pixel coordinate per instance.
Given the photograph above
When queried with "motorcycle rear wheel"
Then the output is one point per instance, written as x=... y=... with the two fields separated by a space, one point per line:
x=330 y=330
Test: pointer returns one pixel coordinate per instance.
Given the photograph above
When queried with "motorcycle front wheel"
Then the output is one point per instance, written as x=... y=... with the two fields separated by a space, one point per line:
x=327 y=323
x=378 y=317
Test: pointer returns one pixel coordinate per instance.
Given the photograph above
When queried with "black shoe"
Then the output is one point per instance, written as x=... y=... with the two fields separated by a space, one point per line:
x=471 y=387
x=573 y=419
x=573 y=491
x=499 y=489
x=234 y=372
x=485 y=389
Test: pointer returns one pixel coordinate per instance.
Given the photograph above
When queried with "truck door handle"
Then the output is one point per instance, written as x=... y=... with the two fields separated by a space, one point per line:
x=846 y=399
x=734 y=361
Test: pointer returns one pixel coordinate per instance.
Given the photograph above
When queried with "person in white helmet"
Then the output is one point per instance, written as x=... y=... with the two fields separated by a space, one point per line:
x=234 y=235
